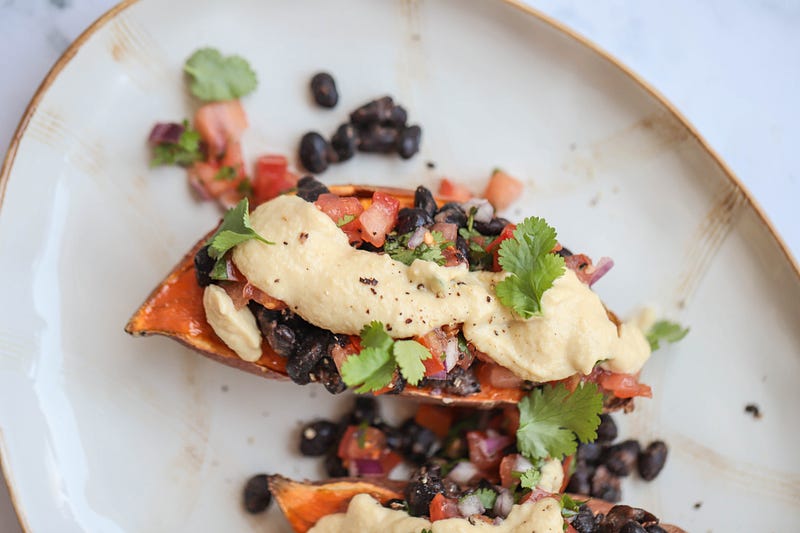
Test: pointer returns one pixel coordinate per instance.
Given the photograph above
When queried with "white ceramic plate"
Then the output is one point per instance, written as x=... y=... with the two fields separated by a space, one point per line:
x=103 y=432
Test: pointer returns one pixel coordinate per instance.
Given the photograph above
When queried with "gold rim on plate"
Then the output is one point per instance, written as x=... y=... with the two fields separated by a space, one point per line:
x=69 y=53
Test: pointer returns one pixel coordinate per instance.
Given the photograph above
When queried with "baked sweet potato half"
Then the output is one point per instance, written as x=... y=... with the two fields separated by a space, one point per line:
x=305 y=503
x=457 y=372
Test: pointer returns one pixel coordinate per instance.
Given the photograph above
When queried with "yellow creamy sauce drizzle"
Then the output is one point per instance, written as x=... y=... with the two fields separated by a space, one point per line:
x=313 y=268
x=366 y=515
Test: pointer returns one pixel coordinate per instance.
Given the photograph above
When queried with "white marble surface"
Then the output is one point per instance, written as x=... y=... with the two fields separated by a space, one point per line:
x=732 y=68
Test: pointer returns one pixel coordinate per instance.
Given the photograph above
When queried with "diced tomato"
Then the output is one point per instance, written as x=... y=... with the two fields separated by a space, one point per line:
x=437 y=418
x=443 y=507
x=204 y=177
x=486 y=448
x=498 y=376
x=449 y=231
x=341 y=353
x=572 y=382
x=436 y=343
x=502 y=190
x=507 y=464
x=494 y=247
x=362 y=443
x=570 y=529
x=454 y=192
x=433 y=365
x=535 y=495
x=623 y=385
x=567 y=464
x=338 y=208
x=389 y=460
x=220 y=123
x=511 y=418
x=271 y=178
x=379 y=218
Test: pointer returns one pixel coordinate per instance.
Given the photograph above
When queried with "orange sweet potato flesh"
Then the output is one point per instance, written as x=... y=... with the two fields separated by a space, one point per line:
x=304 y=503
x=175 y=309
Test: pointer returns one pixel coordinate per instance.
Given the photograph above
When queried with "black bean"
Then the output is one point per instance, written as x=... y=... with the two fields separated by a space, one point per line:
x=607 y=430
x=620 y=515
x=329 y=376
x=564 y=252
x=395 y=439
x=377 y=139
x=333 y=464
x=344 y=142
x=621 y=458
x=257 y=496
x=632 y=527
x=408 y=141
x=323 y=88
x=605 y=485
x=461 y=246
x=424 y=485
x=281 y=339
x=314 y=152
x=397 y=385
x=313 y=345
x=451 y=213
x=655 y=528
x=397 y=117
x=309 y=188
x=652 y=460
x=581 y=481
x=410 y=218
x=421 y=442
x=584 y=521
x=493 y=227
x=203 y=265
x=589 y=452
x=365 y=410
x=374 y=112
x=462 y=382
x=423 y=199
x=318 y=437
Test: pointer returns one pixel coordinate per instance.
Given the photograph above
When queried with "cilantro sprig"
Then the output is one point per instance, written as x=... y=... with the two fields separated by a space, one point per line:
x=667 y=331
x=533 y=268
x=551 y=419
x=570 y=507
x=373 y=368
x=184 y=152
x=397 y=248
x=215 y=77
x=487 y=497
x=235 y=229
x=530 y=478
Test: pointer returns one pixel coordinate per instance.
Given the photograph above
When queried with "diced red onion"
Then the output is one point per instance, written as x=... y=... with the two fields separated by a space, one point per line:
x=463 y=473
x=600 y=269
x=483 y=209
x=416 y=237
x=198 y=187
x=494 y=443
x=521 y=464
x=165 y=132
x=365 y=467
x=449 y=231
x=470 y=505
x=451 y=354
x=503 y=503
x=442 y=375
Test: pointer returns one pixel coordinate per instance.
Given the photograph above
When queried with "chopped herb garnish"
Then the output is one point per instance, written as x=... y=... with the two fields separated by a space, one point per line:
x=533 y=268
x=215 y=77
x=486 y=496
x=373 y=368
x=245 y=187
x=667 y=331
x=530 y=478
x=225 y=173
x=550 y=419
x=570 y=507
x=345 y=220
x=397 y=248
x=235 y=229
x=185 y=152
x=362 y=434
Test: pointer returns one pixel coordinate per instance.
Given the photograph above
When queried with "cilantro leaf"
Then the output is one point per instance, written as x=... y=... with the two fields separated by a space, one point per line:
x=185 y=152
x=359 y=368
x=664 y=330
x=373 y=368
x=551 y=418
x=570 y=507
x=345 y=220
x=225 y=173
x=533 y=268
x=409 y=356
x=373 y=335
x=530 y=478
x=397 y=248
x=235 y=229
x=486 y=496
x=215 y=77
